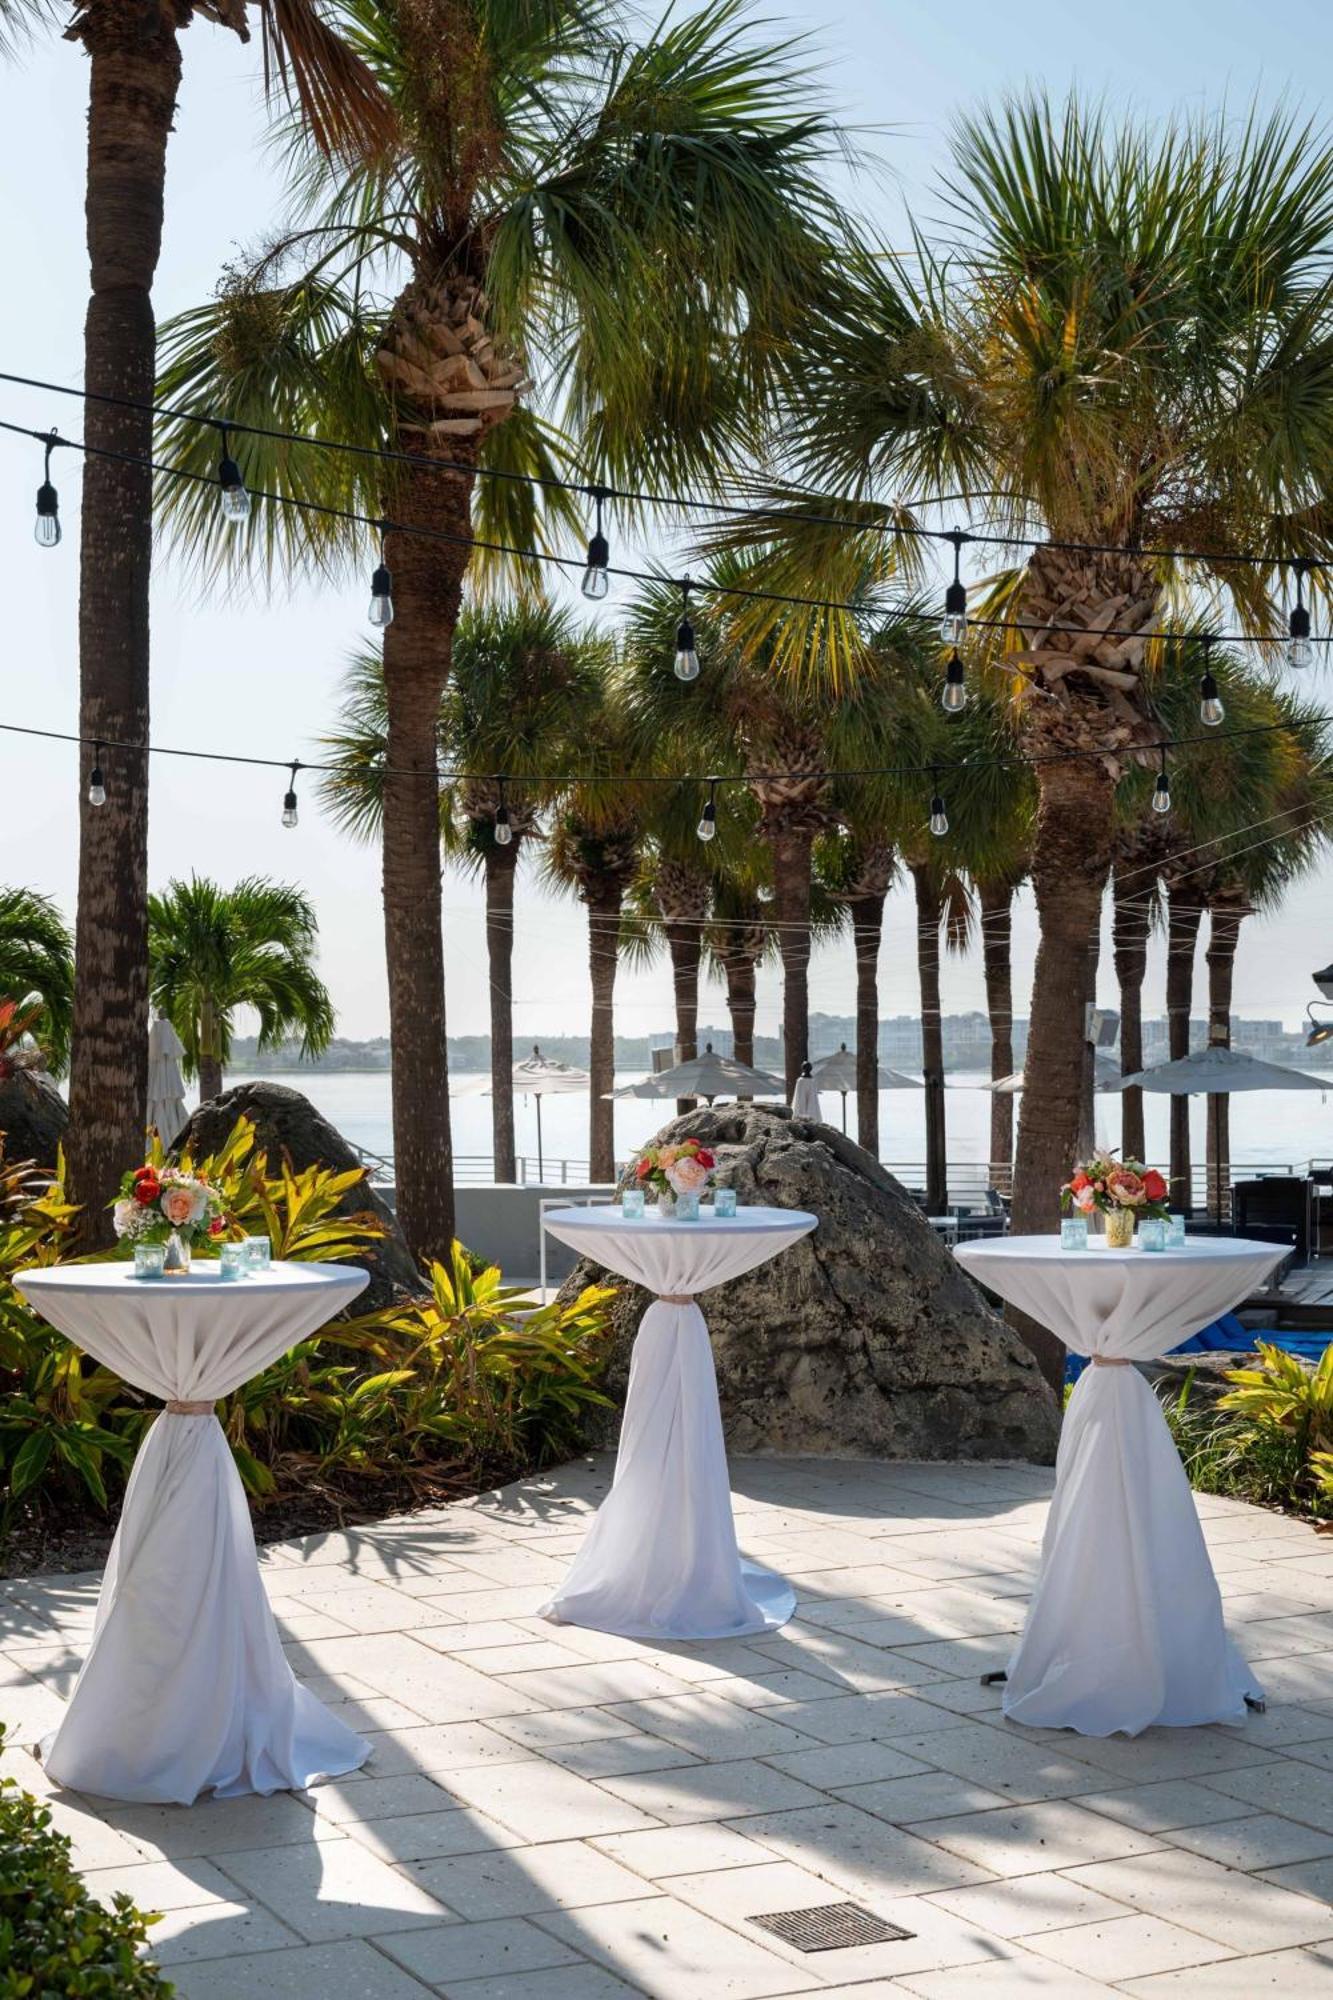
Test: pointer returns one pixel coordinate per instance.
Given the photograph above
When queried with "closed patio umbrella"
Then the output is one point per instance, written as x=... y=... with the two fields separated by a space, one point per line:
x=838 y=1072
x=166 y=1088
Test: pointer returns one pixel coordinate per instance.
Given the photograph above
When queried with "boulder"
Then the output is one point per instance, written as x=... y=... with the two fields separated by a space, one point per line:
x=287 y=1122
x=866 y=1339
x=33 y=1117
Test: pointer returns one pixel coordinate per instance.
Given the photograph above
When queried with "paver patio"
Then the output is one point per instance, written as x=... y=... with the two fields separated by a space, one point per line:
x=554 y=1814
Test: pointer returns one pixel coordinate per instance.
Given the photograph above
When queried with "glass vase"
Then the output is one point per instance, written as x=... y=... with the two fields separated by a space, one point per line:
x=1119 y=1228
x=666 y=1201
x=177 y=1264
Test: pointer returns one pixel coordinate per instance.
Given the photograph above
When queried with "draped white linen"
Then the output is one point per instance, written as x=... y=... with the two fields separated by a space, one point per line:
x=186 y=1688
x=1125 y=1628
x=660 y=1560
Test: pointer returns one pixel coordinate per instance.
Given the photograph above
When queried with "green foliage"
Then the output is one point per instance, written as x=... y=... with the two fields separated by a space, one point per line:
x=1270 y=1438
x=55 y=1939
x=37 y=971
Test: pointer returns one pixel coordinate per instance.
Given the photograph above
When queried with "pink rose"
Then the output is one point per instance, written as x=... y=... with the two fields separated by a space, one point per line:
x=667 y=1156
x=178 y=1205
x=688 y=1175
x=1125 y=1187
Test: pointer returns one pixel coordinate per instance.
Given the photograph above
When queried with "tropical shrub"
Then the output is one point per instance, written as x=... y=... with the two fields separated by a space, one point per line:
x=55 y=1939
x=1269 y=1438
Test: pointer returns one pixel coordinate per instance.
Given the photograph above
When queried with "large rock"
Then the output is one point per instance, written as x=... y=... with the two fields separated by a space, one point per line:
x=33 y=1117
x=864 y=1340
x=287 y=1122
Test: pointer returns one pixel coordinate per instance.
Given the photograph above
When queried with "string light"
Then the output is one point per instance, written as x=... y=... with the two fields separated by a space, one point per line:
x=46 y=532
x=954 y=696
x=289 y=798
x=939 y=818
x=381 y=588
x=504 y=832
x=234 y=499
x=766 y=893
x=687 y=660
x=596 y=577
x=1300 y=653
x=1161 y=794
x=1211 y=711
x=707 y=827
x=953 y=625
x=96 y=782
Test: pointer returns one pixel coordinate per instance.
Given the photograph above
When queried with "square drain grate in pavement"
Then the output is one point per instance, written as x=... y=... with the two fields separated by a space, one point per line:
x=831 y=1927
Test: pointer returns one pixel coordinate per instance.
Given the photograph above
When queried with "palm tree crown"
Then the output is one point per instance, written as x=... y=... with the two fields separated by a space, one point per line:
x=37 y=969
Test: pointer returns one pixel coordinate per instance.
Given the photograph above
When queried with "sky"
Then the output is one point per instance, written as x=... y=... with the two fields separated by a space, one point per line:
x=261 y=676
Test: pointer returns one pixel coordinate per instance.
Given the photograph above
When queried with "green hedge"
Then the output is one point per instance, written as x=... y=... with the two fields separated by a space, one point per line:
x=55 y=1941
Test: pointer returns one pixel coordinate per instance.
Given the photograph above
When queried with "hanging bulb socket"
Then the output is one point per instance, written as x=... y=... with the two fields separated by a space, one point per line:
x=46 y=532
x=939 y=818
x=954 y=696
x=1211 y=711
x=381 y=588
x=1161 y=796
x=289 y=799
x=503 y=831
x=96 y=781
x=596 y=579
x=687 y=660
x=1300 y=653
x=234 y=498
x=707 y=827
x=953 y=625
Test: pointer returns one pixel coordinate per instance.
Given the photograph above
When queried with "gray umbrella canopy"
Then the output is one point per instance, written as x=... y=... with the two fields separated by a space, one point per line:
x=708 y=1075
x=1106 y=1076
x=838 y=1072
x=166 y=1088
x=546 y=1076
x=1219 y=1072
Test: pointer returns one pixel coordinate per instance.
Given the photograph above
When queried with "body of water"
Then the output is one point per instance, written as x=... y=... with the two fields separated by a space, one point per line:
x=1267 y=1127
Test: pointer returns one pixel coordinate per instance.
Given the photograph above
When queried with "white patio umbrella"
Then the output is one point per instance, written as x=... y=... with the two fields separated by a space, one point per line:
x=545 y=1076
x=1106 y=1076
x=708 y=1075
x=166 y=1087
x=838 y=1072
x=1217 y=1072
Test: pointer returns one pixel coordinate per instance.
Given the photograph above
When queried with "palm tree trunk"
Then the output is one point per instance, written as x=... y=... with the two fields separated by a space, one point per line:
x=603 y=899
x=208 y=1041
x=685 y=944
x=929 y=913
x=1225 y=918
x=134 y=76
x=1182 y=937
x=427 y=589
x=792 y=849
x=867 y=914
x=740 y=975
x=501 y=865
x=996 y=898
x=1132 y=893
x=1070 y=862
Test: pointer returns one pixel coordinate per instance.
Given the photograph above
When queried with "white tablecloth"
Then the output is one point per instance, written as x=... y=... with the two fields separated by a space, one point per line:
x=660 y=1560
x=186 y=1688
x=1125 y=1628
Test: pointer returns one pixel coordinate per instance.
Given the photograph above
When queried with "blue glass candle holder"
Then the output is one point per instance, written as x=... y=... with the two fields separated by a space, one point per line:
x=1175 y=1231
x=1074 y=1232
x=233 y=1261
x=258 y=1252
x=687 y=1208
x=724 y=1203
x=632 y=1204
x=149 y=1260
x=1152 y=1234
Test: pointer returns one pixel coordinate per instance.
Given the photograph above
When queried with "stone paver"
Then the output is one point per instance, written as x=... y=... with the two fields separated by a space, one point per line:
x=557 y=1814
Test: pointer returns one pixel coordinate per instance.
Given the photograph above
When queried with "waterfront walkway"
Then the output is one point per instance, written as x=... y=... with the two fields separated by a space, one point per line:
x=552 y=1814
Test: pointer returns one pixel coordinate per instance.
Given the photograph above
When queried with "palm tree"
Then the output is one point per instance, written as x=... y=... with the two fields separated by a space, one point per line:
x=859 y=867
x=134 y=65
x=1128 y=350
x=738 y=939
x=1141 y=843
x=634 y=224
x=213 y=950
x=37 y=970
x=673 y=894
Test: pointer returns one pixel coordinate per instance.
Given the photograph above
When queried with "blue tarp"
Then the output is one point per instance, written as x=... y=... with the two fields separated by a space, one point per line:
x=1228 y=1336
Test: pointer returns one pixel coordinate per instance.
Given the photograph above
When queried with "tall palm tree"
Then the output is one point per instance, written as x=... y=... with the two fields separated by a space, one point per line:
x=859 y=867
x=134 y=66
x=37 y=969
x=632 y=225
x=737 y=941
x=1122 y=343
x=1140 y=848
x=213 y=950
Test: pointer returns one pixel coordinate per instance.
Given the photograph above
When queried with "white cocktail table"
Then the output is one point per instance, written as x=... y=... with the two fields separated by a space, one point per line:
x=1125 y=1628
x=660 y=1560
x=186 y=1688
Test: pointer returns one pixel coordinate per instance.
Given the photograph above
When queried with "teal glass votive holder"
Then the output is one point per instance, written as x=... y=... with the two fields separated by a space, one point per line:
x=257 y=1252
x=687 y=1208
x=632 y=1204
x=233 y=1261
x=724 y=1203
x=1074 y=1232
x=1152 y=1234
x=149 y=1260
x=1175 y=1232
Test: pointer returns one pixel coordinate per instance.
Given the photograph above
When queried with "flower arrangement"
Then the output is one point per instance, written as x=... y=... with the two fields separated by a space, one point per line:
x=685 y=1168
x=1121 y=1190
x=157 y=1203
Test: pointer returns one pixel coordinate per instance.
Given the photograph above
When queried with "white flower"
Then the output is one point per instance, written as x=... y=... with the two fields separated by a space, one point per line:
x=126 y=1218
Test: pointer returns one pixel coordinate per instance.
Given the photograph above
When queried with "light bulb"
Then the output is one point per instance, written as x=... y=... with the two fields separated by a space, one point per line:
x=381 y=597
x=939 y=819
x=46 y=532
x=1211 y=711
x=954 y=695
x=1161 y=796
x=234 y=499
x=953 y=625
x=687 y=660
x=504 y=832
x=289 y=809
x=96 y=787
x=766 y=893
x=1300 y=653
x=707 y=827
x=596 y=581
